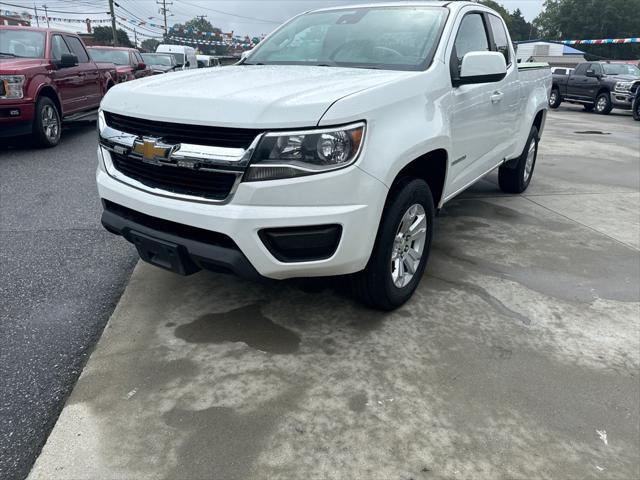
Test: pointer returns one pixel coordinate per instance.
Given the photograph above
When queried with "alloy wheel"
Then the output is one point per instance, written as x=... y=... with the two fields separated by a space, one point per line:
x=50 y=123
x=408 y=245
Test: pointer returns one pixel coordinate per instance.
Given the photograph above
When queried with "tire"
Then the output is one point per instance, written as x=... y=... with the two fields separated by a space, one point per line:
x=377 y=286
x=603 y=104
x=516 y=180
x=47 y=125
x=589 y=107
x=554 y=98
x=636 y=108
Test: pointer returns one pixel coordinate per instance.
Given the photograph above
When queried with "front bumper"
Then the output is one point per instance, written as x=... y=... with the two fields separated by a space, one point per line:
x=348 y=198
x=622 y=100
x=16 y=119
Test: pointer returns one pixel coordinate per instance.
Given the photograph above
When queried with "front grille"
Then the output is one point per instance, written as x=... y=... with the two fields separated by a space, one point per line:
x=198 y=183
x=178 y=133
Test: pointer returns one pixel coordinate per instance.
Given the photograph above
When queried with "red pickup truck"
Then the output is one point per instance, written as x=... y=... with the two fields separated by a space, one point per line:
x=47 y=76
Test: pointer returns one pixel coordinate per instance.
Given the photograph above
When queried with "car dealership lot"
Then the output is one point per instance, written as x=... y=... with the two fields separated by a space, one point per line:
x=518 y=357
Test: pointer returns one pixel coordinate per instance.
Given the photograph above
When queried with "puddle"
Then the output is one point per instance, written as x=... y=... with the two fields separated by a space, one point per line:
x=247 y=325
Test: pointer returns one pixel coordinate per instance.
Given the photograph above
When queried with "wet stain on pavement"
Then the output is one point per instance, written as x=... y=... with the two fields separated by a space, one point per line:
x=358 y=402
x=247 y=325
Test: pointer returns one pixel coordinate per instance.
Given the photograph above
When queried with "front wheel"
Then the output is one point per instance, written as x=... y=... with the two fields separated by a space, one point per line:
x=603 y=104
x=636 y=108
x=516 y=178
x=47 y=124
x=402 y=247
x=554 y=98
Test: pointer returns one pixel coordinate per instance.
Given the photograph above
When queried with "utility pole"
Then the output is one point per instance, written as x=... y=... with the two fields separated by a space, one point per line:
x=113 y=24
x=163 y=11
x=36 y=9
x=46 y=14
x=135 y=37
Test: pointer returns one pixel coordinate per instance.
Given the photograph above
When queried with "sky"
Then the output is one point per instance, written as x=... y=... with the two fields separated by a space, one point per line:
x=254 y=17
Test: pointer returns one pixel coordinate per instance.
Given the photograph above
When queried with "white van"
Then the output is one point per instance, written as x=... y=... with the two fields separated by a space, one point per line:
x=185 y=56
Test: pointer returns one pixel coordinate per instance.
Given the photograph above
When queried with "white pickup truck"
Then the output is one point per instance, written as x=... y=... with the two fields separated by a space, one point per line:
x=327 y=151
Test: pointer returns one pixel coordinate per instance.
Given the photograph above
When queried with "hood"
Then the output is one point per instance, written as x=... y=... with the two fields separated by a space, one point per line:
x=623 y=78
x=251 y=96
x=160 y=68
x=10 y=65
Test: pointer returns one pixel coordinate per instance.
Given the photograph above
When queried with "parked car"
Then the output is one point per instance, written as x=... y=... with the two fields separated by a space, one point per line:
x=561 y=70
x=323 y=158
x=185 y=56
x=128 y=61
x=160 y=62
x=46 y=76
x=596 y=85
x=207 y=61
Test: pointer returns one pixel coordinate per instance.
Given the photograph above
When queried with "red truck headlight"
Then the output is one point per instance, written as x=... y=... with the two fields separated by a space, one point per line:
x=12 y=86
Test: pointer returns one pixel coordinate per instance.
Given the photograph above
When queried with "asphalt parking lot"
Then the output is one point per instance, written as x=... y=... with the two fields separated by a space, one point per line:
x=62 y=275
x=517 y=358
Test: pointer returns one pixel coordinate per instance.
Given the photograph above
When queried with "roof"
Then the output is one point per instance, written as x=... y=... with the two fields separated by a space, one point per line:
x=34 y=29
x=399 y=4
x=106 y=47
x=571 y=51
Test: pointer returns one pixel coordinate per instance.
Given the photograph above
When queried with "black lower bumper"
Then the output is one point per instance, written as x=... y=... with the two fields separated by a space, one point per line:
x=179 y=248
x=15 y=129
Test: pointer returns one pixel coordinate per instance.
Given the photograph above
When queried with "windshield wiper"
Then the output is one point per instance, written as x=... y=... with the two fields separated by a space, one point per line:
x=10 y=54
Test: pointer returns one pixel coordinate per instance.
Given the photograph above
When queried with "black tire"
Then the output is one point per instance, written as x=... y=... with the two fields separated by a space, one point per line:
x=554 y=98
x=375 y=285
x=603 y=104
x=636 y=108
x=47 y=124
x=512 y=179
x=589 y=107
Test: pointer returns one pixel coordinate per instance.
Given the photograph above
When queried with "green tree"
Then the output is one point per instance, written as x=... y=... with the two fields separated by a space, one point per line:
x=592 y=19
x=150 y=44
x=104 y=36
x=518 y=27
x=200 y=24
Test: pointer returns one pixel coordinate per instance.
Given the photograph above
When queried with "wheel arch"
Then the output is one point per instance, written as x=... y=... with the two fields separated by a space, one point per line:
x=49 y=92
x=432 y=167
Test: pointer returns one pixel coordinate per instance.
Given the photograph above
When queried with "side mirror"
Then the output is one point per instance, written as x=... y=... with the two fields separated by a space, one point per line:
x=481 y=67
x=141 y=66
x=591 y=73
x=188 y=64
x=68 y=60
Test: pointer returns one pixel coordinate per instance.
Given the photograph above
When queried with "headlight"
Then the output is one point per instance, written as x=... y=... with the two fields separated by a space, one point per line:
x=306 y=152
x=12 y=86
x=102 y=122
x=623 y=86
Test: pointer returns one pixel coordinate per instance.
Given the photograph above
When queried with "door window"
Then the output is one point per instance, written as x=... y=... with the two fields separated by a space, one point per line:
x=582 y=69
x=472 y=37
x=78 y=49
x=58 y=47
x=500 y=38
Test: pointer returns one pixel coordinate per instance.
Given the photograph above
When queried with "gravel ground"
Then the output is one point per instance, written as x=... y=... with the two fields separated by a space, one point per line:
x=62 y=275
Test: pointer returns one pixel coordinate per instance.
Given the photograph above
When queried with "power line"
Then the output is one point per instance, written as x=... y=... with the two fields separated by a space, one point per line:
x=231 y=14
x=54 y=11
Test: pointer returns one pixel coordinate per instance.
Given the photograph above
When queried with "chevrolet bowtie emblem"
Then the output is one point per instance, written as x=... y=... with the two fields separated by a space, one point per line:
x=152 y=150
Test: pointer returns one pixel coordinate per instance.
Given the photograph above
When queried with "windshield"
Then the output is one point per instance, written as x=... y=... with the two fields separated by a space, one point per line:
x=394 y=38
x=179 y=58
x=150 y=59
x=119 y=57
x=21 y=43
x=620 y=69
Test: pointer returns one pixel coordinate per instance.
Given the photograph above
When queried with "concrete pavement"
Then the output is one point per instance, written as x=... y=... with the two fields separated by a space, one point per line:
x=517 y=358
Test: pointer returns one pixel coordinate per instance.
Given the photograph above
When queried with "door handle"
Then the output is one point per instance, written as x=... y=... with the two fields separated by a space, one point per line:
x=496 y=97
